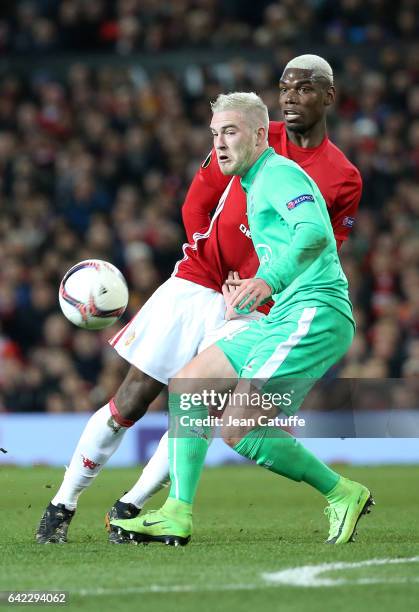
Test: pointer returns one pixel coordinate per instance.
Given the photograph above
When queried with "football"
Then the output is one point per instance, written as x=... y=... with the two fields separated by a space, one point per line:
x=93 y=294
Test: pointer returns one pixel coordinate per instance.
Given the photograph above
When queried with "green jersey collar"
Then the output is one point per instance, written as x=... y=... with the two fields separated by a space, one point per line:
x=248 y=178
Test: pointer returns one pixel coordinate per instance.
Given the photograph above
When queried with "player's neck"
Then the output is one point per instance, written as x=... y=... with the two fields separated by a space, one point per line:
x=260 y=151
x=310 y=139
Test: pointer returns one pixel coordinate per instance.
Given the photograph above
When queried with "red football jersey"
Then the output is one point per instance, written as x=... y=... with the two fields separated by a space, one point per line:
x=222 y=242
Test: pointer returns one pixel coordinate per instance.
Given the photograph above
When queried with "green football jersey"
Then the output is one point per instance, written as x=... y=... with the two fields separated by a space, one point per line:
x=293 y=236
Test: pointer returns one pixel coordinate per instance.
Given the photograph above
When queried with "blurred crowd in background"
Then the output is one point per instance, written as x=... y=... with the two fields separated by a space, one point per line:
x=126 y=26
x=95 y=162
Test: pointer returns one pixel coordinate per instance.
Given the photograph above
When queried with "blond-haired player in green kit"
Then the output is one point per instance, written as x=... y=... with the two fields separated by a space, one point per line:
x=309 y=328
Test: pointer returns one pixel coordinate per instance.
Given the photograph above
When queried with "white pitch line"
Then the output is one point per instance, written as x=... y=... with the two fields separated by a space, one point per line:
x=304 y=576
x=309 y=575
x=177 y=588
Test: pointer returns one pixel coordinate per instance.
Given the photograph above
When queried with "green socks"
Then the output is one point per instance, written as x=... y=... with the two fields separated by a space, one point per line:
x=270 y=447
x=279 y=452
x=188 y=445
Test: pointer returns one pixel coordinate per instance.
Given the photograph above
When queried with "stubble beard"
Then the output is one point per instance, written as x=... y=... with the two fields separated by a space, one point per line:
x=239 y=166
x=245 y=163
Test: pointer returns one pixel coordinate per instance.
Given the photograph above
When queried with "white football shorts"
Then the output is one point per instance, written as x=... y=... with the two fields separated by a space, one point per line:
x=177 y=322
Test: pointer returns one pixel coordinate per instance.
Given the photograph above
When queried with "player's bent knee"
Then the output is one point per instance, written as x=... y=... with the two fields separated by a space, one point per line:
x=136 y=393
x=231 y=441
x=231 y=436
x=232 y=432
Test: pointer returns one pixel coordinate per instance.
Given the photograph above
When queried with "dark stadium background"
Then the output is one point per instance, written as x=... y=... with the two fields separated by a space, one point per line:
x=104 y=112
x=103 y=122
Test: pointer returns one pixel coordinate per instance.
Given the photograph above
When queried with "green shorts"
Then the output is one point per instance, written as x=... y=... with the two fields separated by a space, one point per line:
x=288 y=355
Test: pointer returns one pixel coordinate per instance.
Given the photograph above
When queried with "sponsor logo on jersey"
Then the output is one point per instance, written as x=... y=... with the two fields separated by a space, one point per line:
x=207 y=161
x=348 y=221
x=306 y=197
x=245 y=230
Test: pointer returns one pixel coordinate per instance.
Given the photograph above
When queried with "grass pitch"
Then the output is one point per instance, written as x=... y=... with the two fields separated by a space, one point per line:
x=248 y=523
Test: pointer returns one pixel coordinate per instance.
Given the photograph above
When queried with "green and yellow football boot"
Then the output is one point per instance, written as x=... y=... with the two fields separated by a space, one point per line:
x=171 y=525
x=348 y=501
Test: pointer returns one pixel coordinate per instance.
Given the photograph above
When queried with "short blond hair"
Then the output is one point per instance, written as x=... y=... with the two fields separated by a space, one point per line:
x=248 y=103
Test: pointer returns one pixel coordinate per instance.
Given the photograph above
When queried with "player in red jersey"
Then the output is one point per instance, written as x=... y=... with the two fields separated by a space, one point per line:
x=187 y=313
x=229 y=242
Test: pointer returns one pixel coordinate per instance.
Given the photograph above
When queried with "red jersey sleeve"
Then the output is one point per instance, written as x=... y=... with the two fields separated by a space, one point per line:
x=346 y=204
x=202 y=197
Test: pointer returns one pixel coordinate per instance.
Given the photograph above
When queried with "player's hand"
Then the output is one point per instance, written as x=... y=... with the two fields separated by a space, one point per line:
x=229 y=292
x=249 y=291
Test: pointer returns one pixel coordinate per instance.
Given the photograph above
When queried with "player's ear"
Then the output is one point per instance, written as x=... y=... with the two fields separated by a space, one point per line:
x=330 y=95
x=261 y=136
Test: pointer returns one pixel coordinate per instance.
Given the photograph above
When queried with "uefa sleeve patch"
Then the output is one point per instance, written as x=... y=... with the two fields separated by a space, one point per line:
x=307 y=197
x=348 y=221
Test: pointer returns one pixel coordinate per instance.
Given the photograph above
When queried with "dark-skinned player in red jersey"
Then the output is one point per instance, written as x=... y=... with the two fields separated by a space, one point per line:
x=188 y=312
x=302 y=137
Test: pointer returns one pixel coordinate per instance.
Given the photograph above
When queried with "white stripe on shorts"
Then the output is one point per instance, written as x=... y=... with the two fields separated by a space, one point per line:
x=283 y=349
